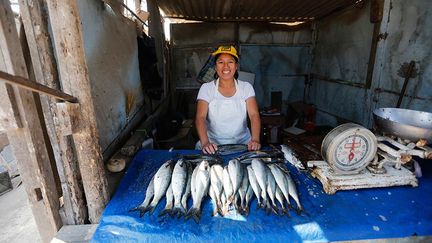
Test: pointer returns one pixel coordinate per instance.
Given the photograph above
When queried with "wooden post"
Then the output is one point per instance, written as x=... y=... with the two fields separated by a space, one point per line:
x=69 y=47
x=156 y=31
x=35 y=20
x=27 y=138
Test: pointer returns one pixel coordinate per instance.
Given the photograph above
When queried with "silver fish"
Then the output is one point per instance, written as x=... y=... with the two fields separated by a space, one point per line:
x=249 y=195
x=226 y=149
x=260 y=170
x=216 y=177
x=194 y=173
x=254 y=183
x=187 y=191
x=169 y=201
x=280 y=198
x=236 y=174
x=242 y=190
x=271 y=190
x=213 y=197
x=228 y=188
x=293 y=192
x=147 y=199
x=178 y=182
x=281 y=181
x=200 y=187
x=224 y=202
x=291 y=157
x=162 y=180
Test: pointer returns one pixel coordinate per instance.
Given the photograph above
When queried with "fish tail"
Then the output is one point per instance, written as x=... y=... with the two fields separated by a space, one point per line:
x=189 y=213
x=180 y=214
x=220 y=211
x=179 y=211
x=284 y=211
x=275 y=209
x=194 y=213
x=290 y=206
x=215 y=211
x=263 y=203
x=259 y=203
x=143 y=210
x=268 y=207
x=151 y=209
x=164 y=212
x=240 y=210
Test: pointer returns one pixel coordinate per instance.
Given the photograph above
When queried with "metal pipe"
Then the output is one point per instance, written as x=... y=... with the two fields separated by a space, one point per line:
x=405 y=84
x=339 y=81
x=37 y=87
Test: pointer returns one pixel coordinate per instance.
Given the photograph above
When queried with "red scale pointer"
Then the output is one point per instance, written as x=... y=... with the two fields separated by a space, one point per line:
x=352 y=146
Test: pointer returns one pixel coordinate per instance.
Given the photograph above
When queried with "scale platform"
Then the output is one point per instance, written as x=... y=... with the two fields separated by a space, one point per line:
x=333 y=182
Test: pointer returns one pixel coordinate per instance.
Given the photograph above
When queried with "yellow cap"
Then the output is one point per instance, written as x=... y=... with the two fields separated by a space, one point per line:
x=226 y=49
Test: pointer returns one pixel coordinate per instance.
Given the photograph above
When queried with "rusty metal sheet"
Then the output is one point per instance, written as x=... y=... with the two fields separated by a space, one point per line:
x=255 y=10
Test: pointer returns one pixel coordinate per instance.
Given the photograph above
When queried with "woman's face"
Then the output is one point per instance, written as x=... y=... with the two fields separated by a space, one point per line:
x=226 y=66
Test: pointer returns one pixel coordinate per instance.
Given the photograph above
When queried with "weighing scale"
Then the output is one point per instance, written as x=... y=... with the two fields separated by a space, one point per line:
x=354 y=157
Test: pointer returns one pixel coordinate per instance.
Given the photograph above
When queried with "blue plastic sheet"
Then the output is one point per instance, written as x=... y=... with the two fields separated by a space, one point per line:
x=348 y=215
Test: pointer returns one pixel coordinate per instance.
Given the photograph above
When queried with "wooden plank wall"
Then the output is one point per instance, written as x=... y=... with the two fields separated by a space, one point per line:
x=26 y=136
x=35 y=20
x=67 y=33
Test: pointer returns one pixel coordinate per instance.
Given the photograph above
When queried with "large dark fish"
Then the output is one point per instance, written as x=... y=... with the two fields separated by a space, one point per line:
x=227 y=149
x=270 y=156
x=198 y=158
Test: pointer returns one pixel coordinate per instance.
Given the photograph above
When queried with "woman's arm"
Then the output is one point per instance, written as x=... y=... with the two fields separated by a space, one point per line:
x=254 y=116
x=200 y=123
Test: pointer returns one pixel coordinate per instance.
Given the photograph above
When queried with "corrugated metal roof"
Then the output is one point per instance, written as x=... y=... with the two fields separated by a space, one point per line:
x=252 y=10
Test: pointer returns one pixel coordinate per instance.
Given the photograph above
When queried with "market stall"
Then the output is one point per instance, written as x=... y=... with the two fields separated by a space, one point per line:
x=390 y=212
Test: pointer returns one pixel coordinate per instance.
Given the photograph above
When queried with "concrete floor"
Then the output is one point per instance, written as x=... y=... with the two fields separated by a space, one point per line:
x=16 y=219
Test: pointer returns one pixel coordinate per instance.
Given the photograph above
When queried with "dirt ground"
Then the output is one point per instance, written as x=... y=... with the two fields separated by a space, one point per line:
x=16 y=218
x=3 y=140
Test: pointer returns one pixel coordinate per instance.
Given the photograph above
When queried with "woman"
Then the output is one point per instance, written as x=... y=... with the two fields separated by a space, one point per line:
x=223 y=106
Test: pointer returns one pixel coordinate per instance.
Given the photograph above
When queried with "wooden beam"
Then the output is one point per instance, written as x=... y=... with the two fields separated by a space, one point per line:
x=28 y=142
x=66 y=28
x=156 y=31
x=35 y=21
x=34 y=86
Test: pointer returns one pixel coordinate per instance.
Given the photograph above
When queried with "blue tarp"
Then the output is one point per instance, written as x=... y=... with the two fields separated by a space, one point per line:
x=348 y=215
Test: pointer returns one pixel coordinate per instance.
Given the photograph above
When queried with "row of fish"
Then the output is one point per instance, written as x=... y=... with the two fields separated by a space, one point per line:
x=230 y=187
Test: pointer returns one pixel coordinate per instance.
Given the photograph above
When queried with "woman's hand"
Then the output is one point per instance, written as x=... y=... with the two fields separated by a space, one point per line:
x=209 y=148
x=254 y=145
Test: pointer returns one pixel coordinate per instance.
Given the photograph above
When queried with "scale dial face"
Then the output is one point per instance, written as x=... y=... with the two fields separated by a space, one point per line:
x=351 y=150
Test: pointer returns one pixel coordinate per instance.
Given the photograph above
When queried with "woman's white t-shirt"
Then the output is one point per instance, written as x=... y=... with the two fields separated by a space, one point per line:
x=207 y=91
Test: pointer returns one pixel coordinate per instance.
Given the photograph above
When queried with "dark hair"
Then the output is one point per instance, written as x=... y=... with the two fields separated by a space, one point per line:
x=236 y=74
